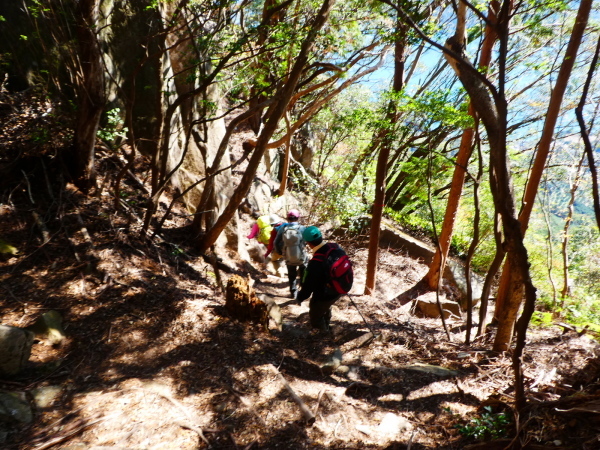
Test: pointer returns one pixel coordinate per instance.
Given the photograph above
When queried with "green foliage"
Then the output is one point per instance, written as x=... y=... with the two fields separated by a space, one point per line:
x=6 y=248
x=541 y=319
x=40 y=136
x=37 y=8
x=437 y=107
x=153 y=5
x=418 y=221
x=114 y=129
x=488 y=425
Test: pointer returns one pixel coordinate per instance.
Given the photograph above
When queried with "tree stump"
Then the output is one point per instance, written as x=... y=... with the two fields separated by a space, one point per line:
x=243 y=304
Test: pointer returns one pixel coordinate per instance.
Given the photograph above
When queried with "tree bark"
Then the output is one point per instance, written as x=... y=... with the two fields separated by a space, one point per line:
x=539 y=164
x=589 y=150
x=90 y=95
x=382 y=161
x=490 y=104
x=436 y=268
x=274 y=114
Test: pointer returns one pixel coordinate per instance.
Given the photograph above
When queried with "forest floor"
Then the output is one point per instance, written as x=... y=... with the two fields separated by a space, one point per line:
x=152 y=359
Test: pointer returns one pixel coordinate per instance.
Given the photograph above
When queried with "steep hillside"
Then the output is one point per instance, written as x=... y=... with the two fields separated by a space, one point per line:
x=152 y=360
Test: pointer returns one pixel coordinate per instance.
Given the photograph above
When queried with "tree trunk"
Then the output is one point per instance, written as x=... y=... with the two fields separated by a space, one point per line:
x=589 y=150
x=436 y=268
x=286 y=159
x=90 y=95
x=490 y=104
x=539 y=164
x=382 y=161
x=274 y=114
x=566 y=289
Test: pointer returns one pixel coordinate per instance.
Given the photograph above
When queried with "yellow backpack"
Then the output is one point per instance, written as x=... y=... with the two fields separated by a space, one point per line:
x=265 y=228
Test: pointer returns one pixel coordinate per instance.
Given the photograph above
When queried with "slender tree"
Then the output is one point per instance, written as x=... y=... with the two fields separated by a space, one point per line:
x=436 y=268
x=539 y=164
x=90 y=93
x=384 y=153
x=589 y=150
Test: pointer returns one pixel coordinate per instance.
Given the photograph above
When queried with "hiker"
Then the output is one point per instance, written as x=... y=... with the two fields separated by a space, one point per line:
x=318 y=281
x=290 y=244
x=271 y=245
x=262 y=228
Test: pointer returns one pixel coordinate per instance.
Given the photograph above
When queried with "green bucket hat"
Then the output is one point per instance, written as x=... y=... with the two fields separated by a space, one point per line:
x=311 y=234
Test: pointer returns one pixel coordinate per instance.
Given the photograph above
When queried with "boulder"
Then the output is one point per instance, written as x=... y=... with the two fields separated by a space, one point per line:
x=455 y=274
x=15 y=349
x=48 y=327
x=14 y=408
x=430 y=308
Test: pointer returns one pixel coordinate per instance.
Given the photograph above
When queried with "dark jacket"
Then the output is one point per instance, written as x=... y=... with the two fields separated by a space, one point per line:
x=316 y=278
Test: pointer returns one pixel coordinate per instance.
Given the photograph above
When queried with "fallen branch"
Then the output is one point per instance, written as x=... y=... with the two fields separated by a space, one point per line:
x=77 y=427
x=358 y=342
x=42 y=227
x=306 y=412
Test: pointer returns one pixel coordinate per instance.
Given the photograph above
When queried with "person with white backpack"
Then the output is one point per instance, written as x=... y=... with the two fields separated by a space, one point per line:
x=291 y=245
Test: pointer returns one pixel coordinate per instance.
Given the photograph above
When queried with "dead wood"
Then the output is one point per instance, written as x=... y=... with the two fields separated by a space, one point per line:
x=72 y=430
x=42 y=226
x=309 y=417
x=243 y=304
x=358 y=342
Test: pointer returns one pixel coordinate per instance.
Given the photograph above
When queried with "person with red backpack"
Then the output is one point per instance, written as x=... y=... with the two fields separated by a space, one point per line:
x=328 y=276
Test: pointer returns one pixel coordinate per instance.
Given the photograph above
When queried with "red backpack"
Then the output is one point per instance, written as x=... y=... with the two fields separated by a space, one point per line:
x=340 y=273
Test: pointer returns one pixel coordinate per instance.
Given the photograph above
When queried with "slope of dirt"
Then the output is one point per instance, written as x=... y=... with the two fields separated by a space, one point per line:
x=153 y=361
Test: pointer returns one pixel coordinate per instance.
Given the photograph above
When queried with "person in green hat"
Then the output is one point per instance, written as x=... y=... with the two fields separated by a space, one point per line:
x=316 y=282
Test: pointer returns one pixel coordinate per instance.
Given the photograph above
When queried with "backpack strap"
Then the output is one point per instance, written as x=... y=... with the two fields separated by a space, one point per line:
x=331 y=246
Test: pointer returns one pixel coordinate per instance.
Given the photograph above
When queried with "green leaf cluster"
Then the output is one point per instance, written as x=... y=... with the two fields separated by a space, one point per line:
x=114 y=128
x=487 y=426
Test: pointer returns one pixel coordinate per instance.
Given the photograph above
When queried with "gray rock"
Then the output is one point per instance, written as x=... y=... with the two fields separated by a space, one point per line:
x=15 y=349
x=455 y=273
x=428 y=308
x=46 y=396
x=14 y=408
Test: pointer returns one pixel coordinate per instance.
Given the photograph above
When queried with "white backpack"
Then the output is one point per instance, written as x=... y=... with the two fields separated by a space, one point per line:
x=293 y=246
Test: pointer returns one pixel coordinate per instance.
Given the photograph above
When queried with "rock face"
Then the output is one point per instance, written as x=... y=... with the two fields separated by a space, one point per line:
x=15 y=348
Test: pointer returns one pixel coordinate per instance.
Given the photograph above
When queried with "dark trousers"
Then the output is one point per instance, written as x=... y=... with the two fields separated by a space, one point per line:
x=320 y=311
x=293 y=273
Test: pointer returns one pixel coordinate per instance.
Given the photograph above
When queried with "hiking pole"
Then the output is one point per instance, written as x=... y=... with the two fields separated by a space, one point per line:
x=363 y=317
